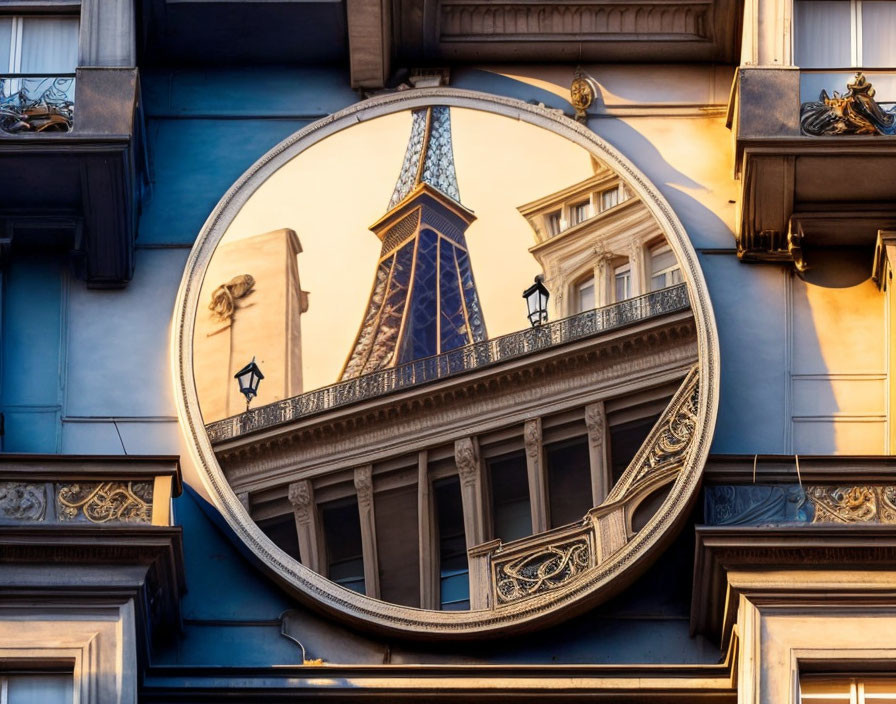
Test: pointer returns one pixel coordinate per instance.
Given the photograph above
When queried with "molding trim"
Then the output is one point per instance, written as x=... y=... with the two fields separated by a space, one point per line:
x=602 y=582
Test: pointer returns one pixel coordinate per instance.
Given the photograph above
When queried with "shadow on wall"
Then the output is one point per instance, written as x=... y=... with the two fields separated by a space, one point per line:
x=838 y=370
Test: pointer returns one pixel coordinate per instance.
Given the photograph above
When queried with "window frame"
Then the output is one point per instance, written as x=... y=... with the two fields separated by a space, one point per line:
x=856 y=47
x=13 y=65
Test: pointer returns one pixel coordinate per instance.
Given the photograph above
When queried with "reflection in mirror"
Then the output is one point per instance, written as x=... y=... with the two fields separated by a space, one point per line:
x=414 y=438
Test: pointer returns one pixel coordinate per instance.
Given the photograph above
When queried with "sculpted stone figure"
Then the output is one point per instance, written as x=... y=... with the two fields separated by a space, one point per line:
x=223 y=303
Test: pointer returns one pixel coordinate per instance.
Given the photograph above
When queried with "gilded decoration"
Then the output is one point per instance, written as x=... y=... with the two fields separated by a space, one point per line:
x=546 y=569
x=853 y=504
x=23 y=501
x=582 y=93
x=105 y=502
x=854 y=112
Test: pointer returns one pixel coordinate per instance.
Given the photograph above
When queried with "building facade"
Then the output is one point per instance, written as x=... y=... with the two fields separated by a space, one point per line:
x=677 y=488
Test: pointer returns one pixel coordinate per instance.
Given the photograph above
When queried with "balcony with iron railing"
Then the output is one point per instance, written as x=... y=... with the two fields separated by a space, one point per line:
x=477 y=356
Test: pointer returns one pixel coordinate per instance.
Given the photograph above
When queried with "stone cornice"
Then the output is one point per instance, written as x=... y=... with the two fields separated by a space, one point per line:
x=722 y=549
x=657 y=351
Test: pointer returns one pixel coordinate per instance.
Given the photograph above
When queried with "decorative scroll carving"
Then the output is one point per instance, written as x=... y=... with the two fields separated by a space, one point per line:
x=853 y=504
x=36 y=104
x=224 y=298
x=105 y=502
x=455 y=362
x=23 y=501
x=466 y=455
x=782 y=504
x=548 y=568
x=854 y=112
x=666 y=447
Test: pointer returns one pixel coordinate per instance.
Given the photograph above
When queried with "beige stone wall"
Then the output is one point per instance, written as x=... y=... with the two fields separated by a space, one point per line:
x=266 y=324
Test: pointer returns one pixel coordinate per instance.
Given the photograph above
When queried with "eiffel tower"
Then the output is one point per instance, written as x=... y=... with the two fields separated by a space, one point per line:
x=424 y=299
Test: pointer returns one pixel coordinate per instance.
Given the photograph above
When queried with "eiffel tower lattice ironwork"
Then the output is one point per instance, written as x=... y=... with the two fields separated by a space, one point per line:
x=424 y=299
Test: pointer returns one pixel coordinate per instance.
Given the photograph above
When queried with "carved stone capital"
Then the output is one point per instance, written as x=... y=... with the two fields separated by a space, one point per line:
x=595 y=422
x=466 y=455
x=532 y=436
x=363 y=478
x=301 y=496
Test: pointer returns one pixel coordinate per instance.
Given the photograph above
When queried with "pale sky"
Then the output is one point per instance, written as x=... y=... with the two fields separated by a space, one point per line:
x=332 y=192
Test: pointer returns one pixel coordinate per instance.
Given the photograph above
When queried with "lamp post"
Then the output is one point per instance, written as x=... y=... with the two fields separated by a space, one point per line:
x=537 y=302
x=248 y=378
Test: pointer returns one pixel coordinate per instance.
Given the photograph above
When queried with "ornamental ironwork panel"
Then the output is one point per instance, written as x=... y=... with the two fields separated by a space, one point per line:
x=36 y=103
x=458 y=361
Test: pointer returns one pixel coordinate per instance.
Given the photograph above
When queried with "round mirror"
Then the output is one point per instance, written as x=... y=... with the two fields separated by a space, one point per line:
x=449 y=365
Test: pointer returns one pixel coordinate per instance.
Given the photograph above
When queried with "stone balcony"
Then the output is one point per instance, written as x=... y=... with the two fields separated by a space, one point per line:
x=810 y=178
x=70 y=159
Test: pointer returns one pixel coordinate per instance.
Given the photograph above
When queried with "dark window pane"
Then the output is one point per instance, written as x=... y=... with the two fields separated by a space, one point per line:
x=342 y=534
x=625 y=441
x=510 y=496
x=569 y=480
x=282 y=530
x=454 y=583
x=397 y=547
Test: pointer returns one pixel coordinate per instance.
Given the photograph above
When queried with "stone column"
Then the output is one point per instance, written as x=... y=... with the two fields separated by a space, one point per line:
x=636 y=262
x=364 y=489
x=301 y=496
x=469 y=469
x=535 y=469
x=596 y=423
x=428 y=549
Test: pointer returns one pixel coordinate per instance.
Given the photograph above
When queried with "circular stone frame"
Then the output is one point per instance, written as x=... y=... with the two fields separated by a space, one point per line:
x=600 y=582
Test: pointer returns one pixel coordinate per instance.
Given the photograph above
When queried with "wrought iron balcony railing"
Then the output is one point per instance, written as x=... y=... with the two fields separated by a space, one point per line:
x=449 y=364
x=36 y=103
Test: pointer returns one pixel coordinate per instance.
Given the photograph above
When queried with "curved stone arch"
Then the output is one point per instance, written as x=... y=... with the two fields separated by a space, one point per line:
x=602 y=581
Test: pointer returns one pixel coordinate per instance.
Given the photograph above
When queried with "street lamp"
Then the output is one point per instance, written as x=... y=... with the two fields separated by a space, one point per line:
x=248 y=378
x=537 y=302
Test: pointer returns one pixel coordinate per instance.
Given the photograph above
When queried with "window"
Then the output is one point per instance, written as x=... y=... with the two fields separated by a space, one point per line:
x=510 y=496
x=47 y=46
x=554 y=223
x=609 y=198
x=623 y=281
x=342 y=534
x=569 y=480
x=826 y=689
x=39 y=686
x=841 y=33
x=625 y=441
x=454 y=582
x=585 y=295
x=664 y=269
x=579 y=212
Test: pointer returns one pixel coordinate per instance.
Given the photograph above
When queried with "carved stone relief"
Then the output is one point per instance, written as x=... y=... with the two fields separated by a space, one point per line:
x=23 y=501
x=790 y=503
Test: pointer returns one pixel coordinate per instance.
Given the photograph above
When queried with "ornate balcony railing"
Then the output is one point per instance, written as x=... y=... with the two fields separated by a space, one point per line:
x=449 y=364
x=36 y=103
